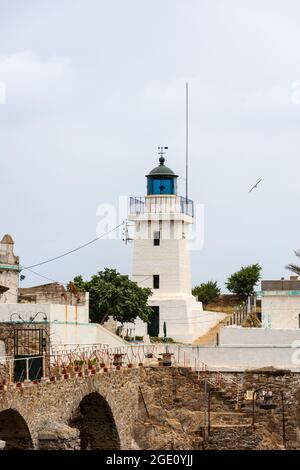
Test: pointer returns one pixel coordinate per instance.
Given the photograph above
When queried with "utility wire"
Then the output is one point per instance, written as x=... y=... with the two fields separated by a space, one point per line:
x=72 y=251
x=45 y=277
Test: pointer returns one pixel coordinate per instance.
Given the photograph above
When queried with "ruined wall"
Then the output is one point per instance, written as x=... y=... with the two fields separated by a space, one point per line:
x=53 y=293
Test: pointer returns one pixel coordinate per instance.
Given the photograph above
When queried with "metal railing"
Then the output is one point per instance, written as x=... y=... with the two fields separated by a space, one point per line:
x=162 y=204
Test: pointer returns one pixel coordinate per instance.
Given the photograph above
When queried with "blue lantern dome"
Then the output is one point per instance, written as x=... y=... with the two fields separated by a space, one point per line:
x=161 y=180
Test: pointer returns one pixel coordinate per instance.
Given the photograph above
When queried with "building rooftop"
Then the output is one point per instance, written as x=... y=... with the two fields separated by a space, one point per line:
x=7 y=239
x=162 y=170
x=291 y=284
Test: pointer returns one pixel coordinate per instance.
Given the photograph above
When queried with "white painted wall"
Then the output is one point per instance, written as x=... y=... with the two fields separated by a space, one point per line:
x=72 y=335
x=183 y=325
x=246 y=357
x=53 y=312
x=238 y=336
x=69 y=324
x=280 y=309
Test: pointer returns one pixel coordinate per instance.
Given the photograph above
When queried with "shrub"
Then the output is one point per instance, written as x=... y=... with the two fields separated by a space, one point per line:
x=207 y=292
x=158 y=339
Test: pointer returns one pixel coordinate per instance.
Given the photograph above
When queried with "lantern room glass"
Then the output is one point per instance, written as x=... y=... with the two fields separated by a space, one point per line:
x=161 y=185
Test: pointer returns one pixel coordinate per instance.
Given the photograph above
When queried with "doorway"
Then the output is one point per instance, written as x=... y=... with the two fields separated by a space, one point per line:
x=153 y=325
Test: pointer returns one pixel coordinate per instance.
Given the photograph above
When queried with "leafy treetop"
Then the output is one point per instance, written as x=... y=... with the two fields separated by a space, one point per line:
x=207 y=292
x=114 y=294
x=244 y=281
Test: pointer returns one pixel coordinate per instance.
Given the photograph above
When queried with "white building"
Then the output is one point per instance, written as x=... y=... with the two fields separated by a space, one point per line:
x=9 y=271
x=280 y=303
x=61 y=318
x=161 y=259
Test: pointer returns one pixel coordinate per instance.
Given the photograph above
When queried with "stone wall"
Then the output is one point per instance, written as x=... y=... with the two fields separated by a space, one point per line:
x=276 y=381
x=47 y=406
x=155 y=408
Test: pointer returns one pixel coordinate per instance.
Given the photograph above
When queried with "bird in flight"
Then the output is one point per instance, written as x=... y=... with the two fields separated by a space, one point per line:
x=255 y=186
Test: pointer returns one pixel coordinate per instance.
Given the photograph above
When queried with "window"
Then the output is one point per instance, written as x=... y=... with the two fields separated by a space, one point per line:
x=156 y=238
x=163 y=186
x=155 y=281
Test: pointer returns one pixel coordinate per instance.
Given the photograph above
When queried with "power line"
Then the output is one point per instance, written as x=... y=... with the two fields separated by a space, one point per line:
x=45 y=277
x=72 y=251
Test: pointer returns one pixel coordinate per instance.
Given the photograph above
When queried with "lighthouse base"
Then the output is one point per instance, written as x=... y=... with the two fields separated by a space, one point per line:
x=184 y=318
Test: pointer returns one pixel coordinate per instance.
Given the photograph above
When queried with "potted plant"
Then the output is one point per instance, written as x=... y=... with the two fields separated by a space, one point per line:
x=166 y=359
x=117 y=361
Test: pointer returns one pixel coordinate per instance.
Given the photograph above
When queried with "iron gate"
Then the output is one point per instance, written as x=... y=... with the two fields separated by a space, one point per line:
x=29 y=346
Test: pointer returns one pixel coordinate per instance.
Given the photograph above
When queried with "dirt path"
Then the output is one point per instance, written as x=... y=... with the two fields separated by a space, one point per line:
x=210 y=338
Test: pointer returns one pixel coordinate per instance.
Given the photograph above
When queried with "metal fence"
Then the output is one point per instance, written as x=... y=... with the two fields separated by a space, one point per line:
x=162 y=204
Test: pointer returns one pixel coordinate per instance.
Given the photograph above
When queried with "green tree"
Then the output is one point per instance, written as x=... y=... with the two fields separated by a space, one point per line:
x=294 y=267
x=114 y=294
x=244 y=281
x=207 y=292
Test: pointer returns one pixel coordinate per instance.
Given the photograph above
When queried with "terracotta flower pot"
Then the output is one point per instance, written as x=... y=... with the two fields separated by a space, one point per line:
x=52 y=379
x=118 y=359
x=102 y=364
x=80 y=374
x=105 y=369
x=166 y=359
x=130 y=366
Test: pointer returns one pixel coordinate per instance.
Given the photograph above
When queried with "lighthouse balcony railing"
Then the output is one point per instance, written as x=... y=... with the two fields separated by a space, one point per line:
x=162 y=204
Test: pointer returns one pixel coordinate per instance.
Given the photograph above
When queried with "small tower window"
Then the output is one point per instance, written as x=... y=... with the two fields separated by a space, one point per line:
x=155 y=281
x=156 y=238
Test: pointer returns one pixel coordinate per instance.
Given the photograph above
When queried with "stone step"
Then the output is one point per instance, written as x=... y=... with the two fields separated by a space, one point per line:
x=225 y=425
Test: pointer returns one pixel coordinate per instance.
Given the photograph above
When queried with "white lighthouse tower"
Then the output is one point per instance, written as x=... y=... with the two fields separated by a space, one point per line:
x=161 y=259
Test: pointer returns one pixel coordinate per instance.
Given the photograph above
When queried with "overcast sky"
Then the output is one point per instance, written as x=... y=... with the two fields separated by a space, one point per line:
x=93 y=87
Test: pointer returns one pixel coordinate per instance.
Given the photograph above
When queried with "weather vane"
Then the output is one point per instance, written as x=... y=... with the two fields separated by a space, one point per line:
x=161 y=151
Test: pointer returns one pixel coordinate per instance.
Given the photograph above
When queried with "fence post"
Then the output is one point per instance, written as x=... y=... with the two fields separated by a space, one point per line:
x=27 y=369
x=10 y=370
x=44 y=364
x=249 y=304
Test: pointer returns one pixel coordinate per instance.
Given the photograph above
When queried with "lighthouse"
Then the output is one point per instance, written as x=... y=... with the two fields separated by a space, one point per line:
x=161 y=259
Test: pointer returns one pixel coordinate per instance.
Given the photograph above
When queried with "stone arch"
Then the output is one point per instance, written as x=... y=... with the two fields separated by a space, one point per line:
x=14 y=430
x=96 y=424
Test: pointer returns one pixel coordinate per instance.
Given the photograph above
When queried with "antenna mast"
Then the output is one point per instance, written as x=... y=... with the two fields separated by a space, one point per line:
x=186 y=139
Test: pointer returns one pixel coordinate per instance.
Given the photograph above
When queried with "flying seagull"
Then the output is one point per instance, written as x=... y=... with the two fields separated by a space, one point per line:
x=255 y=186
